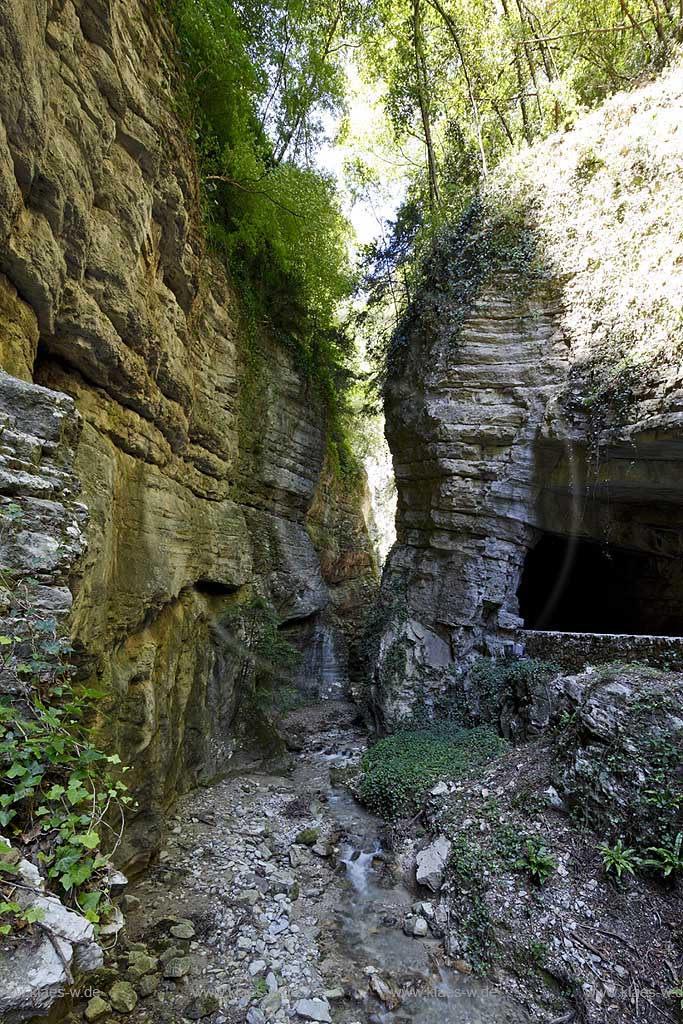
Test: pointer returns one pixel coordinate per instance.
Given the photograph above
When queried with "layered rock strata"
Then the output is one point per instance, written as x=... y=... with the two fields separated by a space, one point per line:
x=197 y=457
x=538 y=443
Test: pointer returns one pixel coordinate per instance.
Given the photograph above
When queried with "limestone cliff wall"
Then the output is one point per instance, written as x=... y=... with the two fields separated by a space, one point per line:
x=552 y=411
x=197 y=490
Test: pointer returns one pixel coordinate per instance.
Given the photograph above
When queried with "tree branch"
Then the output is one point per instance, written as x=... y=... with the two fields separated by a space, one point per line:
x=253 y=192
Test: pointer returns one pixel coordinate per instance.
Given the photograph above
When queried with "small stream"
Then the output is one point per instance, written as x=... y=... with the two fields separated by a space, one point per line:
x=369 y=917
x=231 y=865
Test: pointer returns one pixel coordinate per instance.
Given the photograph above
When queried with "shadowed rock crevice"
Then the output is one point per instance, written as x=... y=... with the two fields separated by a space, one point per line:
x=586 y=587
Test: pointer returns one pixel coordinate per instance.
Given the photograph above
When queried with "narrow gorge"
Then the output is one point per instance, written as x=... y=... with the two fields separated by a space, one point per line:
x=249 y=773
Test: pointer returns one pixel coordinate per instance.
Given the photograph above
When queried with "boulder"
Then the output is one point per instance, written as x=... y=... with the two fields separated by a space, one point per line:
x=44 y=961
x=431 y=864
x=123 y=997
x=314 y=1009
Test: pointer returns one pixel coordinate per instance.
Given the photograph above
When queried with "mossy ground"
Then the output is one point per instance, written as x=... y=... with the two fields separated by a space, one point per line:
x=398 y=771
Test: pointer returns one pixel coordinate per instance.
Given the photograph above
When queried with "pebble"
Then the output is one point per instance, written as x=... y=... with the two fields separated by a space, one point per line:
x=178 y=967
x=183 y=930
x=314 y=1009
x=96 y=1008
x=123 y=997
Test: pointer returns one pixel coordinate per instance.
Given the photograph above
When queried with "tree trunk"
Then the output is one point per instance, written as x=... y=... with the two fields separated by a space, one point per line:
x=520 y=77
x=423 y=100
x=530 y=59
x=453 y=32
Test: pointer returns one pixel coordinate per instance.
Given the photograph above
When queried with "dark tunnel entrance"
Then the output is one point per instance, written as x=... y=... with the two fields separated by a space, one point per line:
x=585 y=587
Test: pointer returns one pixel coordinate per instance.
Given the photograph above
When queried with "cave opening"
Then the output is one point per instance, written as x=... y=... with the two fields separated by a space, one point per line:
x=582 y=586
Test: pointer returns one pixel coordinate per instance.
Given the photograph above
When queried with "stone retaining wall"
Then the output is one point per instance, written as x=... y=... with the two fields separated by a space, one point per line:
x=572 y=651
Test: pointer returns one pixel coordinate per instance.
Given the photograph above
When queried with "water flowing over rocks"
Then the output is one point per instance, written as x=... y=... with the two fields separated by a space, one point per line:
x=274 y=901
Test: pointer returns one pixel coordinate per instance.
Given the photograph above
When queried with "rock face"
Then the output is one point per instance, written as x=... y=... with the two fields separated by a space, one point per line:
x=200 y=486
x=537 y=444
x=620 y=733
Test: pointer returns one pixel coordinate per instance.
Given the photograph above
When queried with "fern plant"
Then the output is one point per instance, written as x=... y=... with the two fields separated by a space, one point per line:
x=618 y=859
x=537 y=861
x=668 y=860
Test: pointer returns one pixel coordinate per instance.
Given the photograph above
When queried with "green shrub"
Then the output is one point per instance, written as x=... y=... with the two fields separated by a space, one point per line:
x=677 y=994
x=492 y=680
x=668 y=860
x=62 y=800
x=255 y=81
x=537 y=861
x=397 y=771
x=618 y=859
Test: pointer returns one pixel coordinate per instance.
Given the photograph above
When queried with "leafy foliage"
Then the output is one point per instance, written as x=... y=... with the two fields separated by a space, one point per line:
x=466 y=83
x=398 y=770
x=257 y=79
x=61 y=797
x=493 y=680
x=442 y=272
x=470 y=80
x=677 y=994
x=668 y=860
x=619 y=859
x=537 y=861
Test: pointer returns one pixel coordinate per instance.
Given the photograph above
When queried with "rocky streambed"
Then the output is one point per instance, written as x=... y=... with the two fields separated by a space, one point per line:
x=273 y=900
x=277 y=898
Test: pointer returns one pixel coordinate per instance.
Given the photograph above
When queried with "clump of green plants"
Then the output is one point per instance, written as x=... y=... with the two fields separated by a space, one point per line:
x=256 y=81
x=619 y=860
x=456 y=262
x=397 y=772
x=537 y=861
x=677 y=994
x=494 y=680
x=667 y=860
x=260 y=988
x=62 y=799
x=538 y=953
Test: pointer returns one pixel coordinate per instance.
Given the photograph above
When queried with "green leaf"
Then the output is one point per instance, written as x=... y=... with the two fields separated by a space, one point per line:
x=90 y=840
x=55 y=792
x=76 y=794
x=34 y=914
